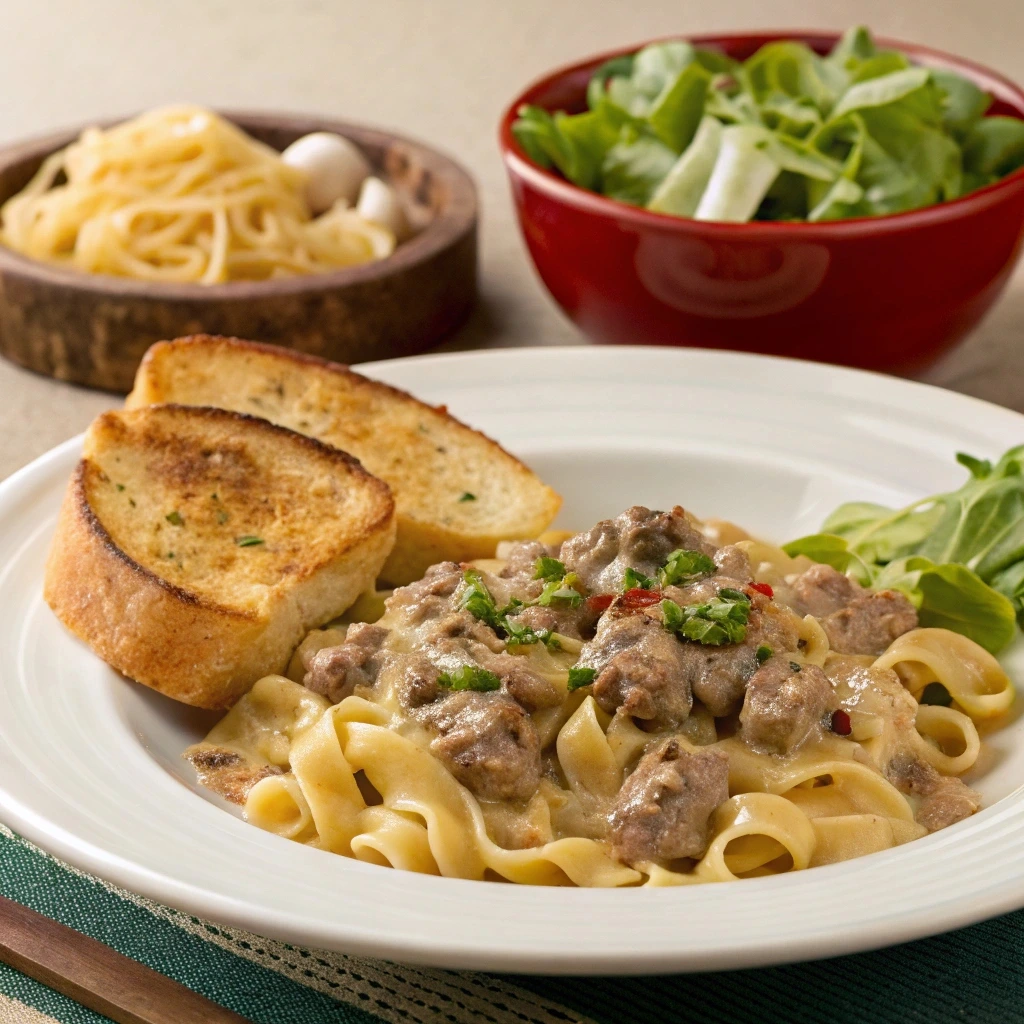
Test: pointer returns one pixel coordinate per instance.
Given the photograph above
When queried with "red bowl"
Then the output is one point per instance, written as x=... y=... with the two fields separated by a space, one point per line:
x=889 y=293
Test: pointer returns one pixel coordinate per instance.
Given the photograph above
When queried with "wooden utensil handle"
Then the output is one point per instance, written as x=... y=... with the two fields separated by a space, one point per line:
x=97 y=976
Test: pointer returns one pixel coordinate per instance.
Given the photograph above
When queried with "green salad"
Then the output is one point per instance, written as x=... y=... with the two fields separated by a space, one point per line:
x=786 y=135
x=958 y=556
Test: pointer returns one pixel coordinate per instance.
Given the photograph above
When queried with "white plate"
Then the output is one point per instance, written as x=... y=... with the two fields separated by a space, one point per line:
x=90 y=764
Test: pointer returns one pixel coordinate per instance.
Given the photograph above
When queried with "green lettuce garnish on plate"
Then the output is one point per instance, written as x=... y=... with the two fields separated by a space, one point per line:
x=958 y=556
x=786 y=135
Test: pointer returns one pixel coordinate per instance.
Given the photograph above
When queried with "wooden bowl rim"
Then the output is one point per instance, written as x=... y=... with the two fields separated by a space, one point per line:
x=454 y=221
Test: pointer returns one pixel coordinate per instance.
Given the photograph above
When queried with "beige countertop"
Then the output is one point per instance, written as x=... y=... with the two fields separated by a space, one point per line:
x=442 y=71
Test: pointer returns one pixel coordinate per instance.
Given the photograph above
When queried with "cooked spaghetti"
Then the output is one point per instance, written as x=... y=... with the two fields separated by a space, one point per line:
x=181 y=195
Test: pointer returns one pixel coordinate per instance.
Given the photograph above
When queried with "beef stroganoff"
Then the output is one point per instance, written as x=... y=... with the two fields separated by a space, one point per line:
x=654 y=701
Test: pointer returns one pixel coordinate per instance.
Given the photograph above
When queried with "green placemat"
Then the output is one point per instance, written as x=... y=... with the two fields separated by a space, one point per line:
x=974 y=975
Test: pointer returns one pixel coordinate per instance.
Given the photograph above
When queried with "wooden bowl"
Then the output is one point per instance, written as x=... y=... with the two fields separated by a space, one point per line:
x=93 y=329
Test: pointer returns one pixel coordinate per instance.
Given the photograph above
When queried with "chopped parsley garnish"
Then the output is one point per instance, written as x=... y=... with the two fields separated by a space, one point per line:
x=795 y=666
x=581 y=677
x=671 y=615
x=222 y=516
x=722 y=620
x=559 y=586
x=249 y=541
x=120 y=487
x=936 y=693
x=469 y=677
x=634 y=580
x=174 y=518
x=764 y=652
x=561 y=591
x=467 y=496
x=480 y=603
x=548 y=569
x=684 y=566
x=521 y=635
x=477 y=600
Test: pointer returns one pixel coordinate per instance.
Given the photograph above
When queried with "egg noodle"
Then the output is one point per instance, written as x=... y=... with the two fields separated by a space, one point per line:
x=358 y=777
x=181 y=195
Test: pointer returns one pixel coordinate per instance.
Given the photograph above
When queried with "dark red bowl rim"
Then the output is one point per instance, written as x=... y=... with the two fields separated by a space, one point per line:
x=547 y=181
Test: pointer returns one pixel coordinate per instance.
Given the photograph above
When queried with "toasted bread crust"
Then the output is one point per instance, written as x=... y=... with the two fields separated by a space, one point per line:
x=517 y=505
x=147 y=392
x=182 y=642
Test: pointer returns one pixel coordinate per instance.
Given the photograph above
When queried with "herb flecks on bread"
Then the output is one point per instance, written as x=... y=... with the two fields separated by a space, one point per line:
x=457 y=492
x=196 y=547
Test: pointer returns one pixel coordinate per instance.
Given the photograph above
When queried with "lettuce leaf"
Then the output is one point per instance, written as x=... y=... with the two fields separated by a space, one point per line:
x=958 y=555
x=906 y=164
x=854 y=47
x=652 y=72
x=861 y=132
x=880 y=534
x=744 y=171
x=633 y=168
x=947 y=596
x=982 y=523
x=657 y=66
x=574 y=145
x=881 y=64
x=577 y=144
x=788 y=116
x=680 y=106
x=950 y=596
x=716 y=63
x=681 y=189
x=831 y=550
x=617 y=67
x=965 y=104
x=1010 y=583
x=879 y=92
x=793 y=69
x=994 y=147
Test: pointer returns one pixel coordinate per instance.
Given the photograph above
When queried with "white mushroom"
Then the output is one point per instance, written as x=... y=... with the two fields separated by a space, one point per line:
x=335 y=168
x=379 y=202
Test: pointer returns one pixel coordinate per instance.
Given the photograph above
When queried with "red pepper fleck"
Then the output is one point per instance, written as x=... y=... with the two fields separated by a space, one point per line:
x=762 y=588
x=640 y=598
x=599 y=602
x=841 y=724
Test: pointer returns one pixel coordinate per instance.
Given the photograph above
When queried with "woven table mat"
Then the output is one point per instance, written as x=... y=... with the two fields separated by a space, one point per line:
x=974 y=975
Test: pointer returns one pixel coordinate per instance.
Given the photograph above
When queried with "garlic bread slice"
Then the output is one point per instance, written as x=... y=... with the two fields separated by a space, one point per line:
x=457 y=492
x=196 y=547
